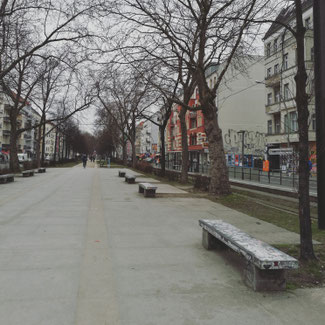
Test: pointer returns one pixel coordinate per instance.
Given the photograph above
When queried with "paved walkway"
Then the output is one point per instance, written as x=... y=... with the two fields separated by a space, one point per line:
x=81 y=246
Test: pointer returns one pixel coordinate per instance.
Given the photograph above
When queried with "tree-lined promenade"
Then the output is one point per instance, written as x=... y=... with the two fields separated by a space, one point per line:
x=129 y=57
x=81 y=246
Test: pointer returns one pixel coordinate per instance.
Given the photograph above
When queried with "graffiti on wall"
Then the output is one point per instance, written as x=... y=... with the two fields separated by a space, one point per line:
x=254 y=142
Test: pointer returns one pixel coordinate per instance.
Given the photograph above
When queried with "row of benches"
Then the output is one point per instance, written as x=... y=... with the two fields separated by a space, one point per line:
x=7 y=178
x=265 y=265
x=147 y=189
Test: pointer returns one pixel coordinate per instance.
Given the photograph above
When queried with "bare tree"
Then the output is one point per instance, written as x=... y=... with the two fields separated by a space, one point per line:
x=294 y=11
x=198 y=34
x=125 y=96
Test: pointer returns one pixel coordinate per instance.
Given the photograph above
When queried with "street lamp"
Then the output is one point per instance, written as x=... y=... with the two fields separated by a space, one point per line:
x=242 y=132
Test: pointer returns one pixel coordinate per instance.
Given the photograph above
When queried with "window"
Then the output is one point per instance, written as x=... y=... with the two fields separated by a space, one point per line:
x=268 y=49
x=276 y=69
x=277 y=95
x=285 y=61
x=286 y=123
x=277 y=124
x=313 y=122
x=193 y=123
x=193 y=140
x=269 y=126
x=275 y=45
x=286 y=91
x=308 y=23
x=268 y=72
x=293 y=121
x=269 y=98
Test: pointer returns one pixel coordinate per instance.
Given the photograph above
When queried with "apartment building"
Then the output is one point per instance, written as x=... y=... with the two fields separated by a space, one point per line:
x=240 y=109
x=280 y=70
x=27 y=140
x=149 y=135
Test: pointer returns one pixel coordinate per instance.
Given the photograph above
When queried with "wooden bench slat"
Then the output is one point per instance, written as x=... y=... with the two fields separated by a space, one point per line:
x=261 y=254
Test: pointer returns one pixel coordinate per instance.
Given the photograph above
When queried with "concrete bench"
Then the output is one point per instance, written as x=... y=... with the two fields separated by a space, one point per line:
x=7 y=178
x=147 y=189
x=28 y=173
x=265 y=265
x=41 y=170
x=121 y=173
x=130 y=179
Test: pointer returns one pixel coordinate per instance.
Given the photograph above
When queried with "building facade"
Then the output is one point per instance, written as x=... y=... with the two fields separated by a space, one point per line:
x=240 y=109
x=280 y=106
x=27 y=140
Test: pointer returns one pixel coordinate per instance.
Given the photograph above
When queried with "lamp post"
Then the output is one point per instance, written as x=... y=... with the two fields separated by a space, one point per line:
x=242 y=132
x=319 y=50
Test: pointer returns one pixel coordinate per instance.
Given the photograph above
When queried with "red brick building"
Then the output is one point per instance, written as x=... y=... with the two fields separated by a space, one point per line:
x=196 y=137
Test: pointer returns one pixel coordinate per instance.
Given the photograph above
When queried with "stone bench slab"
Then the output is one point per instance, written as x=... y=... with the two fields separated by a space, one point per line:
x=7 y=178
x=27 y=173
x=261 y=254
x=130 y=179
x=121 y=173
x=147 y=189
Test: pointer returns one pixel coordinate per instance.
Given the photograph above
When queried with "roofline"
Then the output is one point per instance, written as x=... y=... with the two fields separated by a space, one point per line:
x=275 y=27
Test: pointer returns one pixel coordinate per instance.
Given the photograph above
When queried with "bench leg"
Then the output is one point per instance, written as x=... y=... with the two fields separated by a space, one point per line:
x=210 y=242
x=264 y=280
x=141 y=189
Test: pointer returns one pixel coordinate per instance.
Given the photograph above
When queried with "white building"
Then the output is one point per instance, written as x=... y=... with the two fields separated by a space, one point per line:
x=280 y=69
x=26 y=142
x=150 y=135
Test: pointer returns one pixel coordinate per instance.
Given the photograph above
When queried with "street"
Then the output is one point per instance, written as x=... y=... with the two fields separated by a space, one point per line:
x=81 y=246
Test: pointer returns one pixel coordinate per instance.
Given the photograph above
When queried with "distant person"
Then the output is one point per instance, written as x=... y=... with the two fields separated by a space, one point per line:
x=84 y=160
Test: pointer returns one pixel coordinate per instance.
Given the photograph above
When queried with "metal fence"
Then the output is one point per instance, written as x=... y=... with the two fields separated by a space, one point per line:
x=276 y=177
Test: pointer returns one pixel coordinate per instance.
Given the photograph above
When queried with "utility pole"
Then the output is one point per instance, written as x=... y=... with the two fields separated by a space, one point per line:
x=319 y=50
x=242 y=132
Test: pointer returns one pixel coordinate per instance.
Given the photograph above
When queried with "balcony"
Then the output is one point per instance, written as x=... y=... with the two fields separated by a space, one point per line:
x=273 y=81
x=27 y=136
x=27 y=147
x=6 y=133
x=6 y=119
x=272 y=108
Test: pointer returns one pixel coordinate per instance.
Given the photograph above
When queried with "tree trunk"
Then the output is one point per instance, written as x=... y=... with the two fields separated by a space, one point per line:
x=38 y=146
x=124 y=152
x=134 y=156
x=184 y=171
x=162 y=151
x=55 y=144
x=14 y=162
x=306 y=243
x=43 y=139
x=219 y=182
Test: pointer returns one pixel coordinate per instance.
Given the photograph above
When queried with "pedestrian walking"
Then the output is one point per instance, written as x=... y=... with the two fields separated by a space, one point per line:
x=84 y=160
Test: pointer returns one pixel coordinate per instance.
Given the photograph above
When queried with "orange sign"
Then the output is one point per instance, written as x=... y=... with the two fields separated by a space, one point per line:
x=266 y=166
